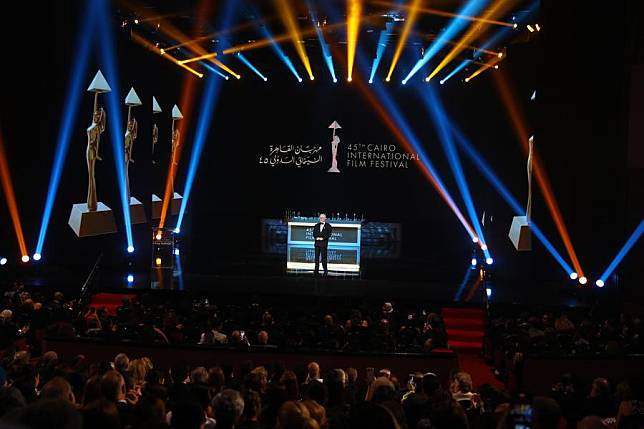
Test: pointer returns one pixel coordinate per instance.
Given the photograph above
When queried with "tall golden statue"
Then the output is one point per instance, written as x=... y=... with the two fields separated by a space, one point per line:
x=99 y=118
x=130 y=136
x=155 y=139
x=176 y=143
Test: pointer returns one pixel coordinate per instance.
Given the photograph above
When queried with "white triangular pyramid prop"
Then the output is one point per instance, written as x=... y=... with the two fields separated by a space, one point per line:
x=176 y=113
x=335 y=125
x=155 y=106
x=99 y=84
x=132 y=98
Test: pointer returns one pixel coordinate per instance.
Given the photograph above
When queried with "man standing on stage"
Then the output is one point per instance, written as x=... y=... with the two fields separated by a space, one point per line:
x=321 y=232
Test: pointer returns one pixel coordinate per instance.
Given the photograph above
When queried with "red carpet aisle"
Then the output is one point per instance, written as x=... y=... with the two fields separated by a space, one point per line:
x=465 y=330
x=111 y=301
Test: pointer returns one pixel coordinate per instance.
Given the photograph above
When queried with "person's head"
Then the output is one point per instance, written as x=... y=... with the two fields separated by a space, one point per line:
x=313 y=370
x=121 y=363
x=352 y=375
x=591 y=422
x=322 y=217
x=58 y=388
x=317 y=412
x=328 y=320
x=599 y=388
x=50 y=413
x=292 y=415
x=430 y=384
x=138 y=368
x=199 y=375
x=546 y=412
x=317 y=392
x=113 y=386
x=461 y=382
x=252 y=406
x=262 y=338
x=188 y=415
x=289 y=381
x=382 y=390
x=101 y=414
x=227 y=407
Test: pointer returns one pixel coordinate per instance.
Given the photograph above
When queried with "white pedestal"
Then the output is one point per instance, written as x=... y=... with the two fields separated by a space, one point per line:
x=157 y=203
x=87 y=223
x=137 y=212
x=520 y=234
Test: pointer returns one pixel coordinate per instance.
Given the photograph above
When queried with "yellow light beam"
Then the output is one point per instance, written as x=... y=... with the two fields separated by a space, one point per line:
x=354 y=10
x=289 y=20
x=199 y=58
x=437 y=12
x=484 y=66
x=151 y=47
x=498 y=8
x=209 y=36
x=402 y=40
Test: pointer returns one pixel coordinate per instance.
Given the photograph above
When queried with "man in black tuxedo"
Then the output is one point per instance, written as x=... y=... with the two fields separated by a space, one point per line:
x=321 y=232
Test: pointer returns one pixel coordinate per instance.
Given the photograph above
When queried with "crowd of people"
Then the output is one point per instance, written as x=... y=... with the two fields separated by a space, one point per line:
x=49 y=392
x=313 y=326
x=581 y=332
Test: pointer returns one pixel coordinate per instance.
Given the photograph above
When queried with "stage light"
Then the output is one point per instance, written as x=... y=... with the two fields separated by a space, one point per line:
x=130 y=249
x=537 y=27
x=136 y=21
x=573 y=276
x=488 y=292
x=207 y=107
x=349 y=79
x=630 y=242
x=10 y=197
x=380 y=50
x=162 y=51
x=286 y=13
x=583 y=280
x=312 y=77
x=467 y=79
x=25 y=258
x=158 y=236
x=475 y=239
x=177 y=230
x=130 y=278
x=434 y=106
x=85 y=37
x=108 y=58
x=157 y=261
x=326 y=54
x=151 y=47
x=496 y=66
x=214 y=70
x=387 y=79
x=3 y=261
x=489 y=261
x=599 y=283
x=404 y=34
x=471 y=8
x=354 y=11
x=299 y=79
x=515 y=26
x=474 y=262
x=280 y=53
x=530 y=28
x=37 y=256
x=176 y=251
x=488 y=172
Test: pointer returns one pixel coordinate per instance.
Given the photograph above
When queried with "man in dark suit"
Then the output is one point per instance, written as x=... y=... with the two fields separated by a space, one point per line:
x=321 y=232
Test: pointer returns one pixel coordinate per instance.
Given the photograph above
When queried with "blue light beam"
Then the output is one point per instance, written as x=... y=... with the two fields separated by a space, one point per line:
x=434 y=106
x=634 y=238
x=108 y=57
x=280 y=53
x=250 y=65
x=70 y=111
x=472 y=8
x=326 y=53
x=380 y=50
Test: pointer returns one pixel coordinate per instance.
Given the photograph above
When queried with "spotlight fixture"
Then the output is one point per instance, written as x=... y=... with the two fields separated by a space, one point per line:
x=387 y=79
x=130 y=249
x=489 y=261
x=474 y=262
x=530 y=28
x=158 y=236
x=475 y=239
x=488 y=292
x=25 y=258
x=537 y=27
x=335 y=80
x=349 y=79
x=136 y=21
x=484 y=247
x=176 y=251
x=312 y=77
x=467 y=79
x=37 y=256
x=157 y=261
x=599 y=283
x=573 y=276
x=130 y=278
x=3 y=261
x=177 y=230
x=500 y=55
x=583 y=280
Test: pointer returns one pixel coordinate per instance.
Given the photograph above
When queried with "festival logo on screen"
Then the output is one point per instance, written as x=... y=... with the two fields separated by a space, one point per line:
x=356 y=155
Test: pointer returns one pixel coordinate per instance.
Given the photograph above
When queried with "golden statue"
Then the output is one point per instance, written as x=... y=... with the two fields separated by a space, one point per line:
x=155 y=139
x=99 y=118
x=175 y=145
x=130 y=136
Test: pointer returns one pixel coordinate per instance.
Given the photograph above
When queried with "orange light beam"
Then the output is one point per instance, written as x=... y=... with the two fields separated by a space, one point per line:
x=354 y=11
x=472 y=47
x=10 y=196
x=520 y=130
x=437 y=12
x=289 y=20
x=186 y=104
x=484 y=66
x=498 y=8
x=404 y=35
